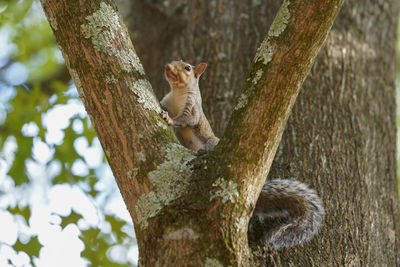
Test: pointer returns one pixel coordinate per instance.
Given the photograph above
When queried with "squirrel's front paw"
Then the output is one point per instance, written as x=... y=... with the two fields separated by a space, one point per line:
x=165 y=116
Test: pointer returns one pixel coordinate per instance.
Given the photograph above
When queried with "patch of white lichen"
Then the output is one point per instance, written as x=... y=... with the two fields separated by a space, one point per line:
x=162 y=125
x=241 y=224
x=267 y=49
x=132 y=174
x=280 y=21
x=170 y=179
x=250 y=191
x=265 y=52
x=102 y=28
x=147 y=206
x=257 y=77
x=141 y=156
x=241 y=102
x=130 y=59
x=142 y=89
x=227 y=190
x=184 y=233
x=111 y=79
x=212 y=263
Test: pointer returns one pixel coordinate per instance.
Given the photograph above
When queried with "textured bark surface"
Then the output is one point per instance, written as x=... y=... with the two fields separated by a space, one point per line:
x=340 y=138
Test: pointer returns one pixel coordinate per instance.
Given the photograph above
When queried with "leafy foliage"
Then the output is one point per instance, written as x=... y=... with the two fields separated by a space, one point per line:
x=98 y=244
x=24 y=212
x=31 y=37
x=25 y=107
x=31 y=248
x=72 y=218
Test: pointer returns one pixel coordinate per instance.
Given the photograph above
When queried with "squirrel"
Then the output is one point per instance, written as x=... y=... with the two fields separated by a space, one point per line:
x=287 y=212
x=183 y=104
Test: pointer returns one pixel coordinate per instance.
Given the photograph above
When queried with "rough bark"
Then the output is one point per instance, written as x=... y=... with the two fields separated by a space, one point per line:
x=340 y=137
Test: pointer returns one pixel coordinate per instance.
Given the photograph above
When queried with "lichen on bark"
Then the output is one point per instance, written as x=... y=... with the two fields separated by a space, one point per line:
x=210 y=262
x=227 y=190
x=267 y=49
x=241 y=102
x=280 y=21
x=183 y=233
x=170 y=179
x=265 y=52
x=142 y=89
x=102 y=28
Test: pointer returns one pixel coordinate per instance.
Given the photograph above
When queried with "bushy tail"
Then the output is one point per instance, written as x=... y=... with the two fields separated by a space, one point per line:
x=287 y=213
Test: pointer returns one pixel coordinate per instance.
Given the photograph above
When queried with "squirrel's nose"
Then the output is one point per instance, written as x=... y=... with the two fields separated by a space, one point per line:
x=168 y=67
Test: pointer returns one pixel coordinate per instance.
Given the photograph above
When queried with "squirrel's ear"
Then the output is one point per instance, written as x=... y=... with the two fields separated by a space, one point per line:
x=199 y=69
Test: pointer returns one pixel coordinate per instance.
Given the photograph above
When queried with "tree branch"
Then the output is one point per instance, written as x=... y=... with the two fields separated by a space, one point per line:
x=279 y=68
x=112 y=85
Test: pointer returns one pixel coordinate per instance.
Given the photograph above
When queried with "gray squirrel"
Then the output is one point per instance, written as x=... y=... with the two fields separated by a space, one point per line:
x=287 y=212
x=183 y=103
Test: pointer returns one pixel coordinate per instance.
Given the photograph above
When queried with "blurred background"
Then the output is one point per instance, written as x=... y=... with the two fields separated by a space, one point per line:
x=59 y=203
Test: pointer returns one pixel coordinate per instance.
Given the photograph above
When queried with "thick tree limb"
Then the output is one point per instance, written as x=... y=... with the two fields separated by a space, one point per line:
x=280 y=66
x=193 y=213
x=112 y=85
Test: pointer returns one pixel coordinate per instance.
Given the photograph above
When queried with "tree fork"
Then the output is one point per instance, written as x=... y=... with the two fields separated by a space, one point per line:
x=187 y=209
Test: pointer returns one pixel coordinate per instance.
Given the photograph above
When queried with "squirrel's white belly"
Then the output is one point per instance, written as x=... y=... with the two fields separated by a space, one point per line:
x=174 y=104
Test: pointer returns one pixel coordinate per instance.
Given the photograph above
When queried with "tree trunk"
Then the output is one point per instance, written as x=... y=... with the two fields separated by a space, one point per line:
x=340 y=138
x=192 y=210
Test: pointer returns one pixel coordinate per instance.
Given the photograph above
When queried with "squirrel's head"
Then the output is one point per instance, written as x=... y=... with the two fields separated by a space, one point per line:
x=181 y=74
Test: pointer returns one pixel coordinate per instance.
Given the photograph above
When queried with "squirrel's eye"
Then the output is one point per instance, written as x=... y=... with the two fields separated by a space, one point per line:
x=187 y=68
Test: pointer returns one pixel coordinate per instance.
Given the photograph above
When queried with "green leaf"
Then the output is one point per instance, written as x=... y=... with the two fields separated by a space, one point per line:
x=18 y=169
x=96 y=246
x=31 y=248
x=18 y=173
x=72 y=218
x=92 y=182
x=25 y=211
x=116 y=225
